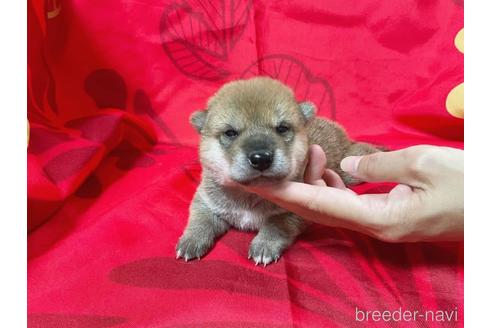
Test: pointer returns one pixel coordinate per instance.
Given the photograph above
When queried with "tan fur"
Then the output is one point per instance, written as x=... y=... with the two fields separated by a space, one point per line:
x=254 y=109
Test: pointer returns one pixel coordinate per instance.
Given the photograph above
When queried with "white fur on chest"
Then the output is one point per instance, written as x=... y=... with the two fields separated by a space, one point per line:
x=240 y=217
x=248 y=220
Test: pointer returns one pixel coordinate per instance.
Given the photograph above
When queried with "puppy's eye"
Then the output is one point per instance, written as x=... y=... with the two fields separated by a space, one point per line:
x=282 y=128
x=231 y=133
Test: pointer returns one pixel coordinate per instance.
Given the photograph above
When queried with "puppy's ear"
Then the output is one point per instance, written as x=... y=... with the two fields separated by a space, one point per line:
x=198 y=118
x=308 y=110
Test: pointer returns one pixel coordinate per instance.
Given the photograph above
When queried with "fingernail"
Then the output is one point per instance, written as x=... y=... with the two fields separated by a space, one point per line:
x=350 y=164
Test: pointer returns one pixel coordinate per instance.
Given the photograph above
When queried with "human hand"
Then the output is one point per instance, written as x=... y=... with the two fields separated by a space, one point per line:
x=426 y=205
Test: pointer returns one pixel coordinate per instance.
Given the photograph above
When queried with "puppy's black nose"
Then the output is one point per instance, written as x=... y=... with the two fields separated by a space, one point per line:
x=261 y=160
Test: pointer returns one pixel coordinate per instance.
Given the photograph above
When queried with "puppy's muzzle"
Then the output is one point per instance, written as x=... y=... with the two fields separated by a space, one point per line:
x=260 y=160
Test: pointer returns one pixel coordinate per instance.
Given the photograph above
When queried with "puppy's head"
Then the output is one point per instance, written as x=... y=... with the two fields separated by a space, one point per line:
x=253 y=131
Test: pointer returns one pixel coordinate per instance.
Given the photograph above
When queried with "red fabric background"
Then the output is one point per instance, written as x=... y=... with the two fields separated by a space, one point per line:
x=112 y=160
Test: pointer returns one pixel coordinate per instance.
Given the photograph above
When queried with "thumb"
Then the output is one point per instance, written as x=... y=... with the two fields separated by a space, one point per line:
x=394 y=166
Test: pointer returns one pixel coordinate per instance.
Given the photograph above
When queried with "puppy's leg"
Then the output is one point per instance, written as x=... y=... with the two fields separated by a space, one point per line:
x=200 y=233
x=276 y=234
x=357 y=149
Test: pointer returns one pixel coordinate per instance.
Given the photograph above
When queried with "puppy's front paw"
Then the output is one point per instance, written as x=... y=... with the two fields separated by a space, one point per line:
x=191 y=247
x=264 y=251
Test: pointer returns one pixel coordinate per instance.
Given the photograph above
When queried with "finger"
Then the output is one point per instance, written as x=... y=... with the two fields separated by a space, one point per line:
x=400 y=192
x=324 y=205
x=332 y=179
x=316 y=166
x=395 y=166
x=333 y=207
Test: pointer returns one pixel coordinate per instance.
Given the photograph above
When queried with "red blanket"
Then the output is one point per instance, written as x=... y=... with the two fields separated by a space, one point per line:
x=112 y=160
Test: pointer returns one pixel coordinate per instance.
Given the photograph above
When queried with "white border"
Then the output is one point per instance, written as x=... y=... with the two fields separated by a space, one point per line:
x=13 y=72
x=478 y=159
x=478 y=104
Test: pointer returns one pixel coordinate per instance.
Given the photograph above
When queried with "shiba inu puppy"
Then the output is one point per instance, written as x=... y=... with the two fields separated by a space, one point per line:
x=255 y=132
